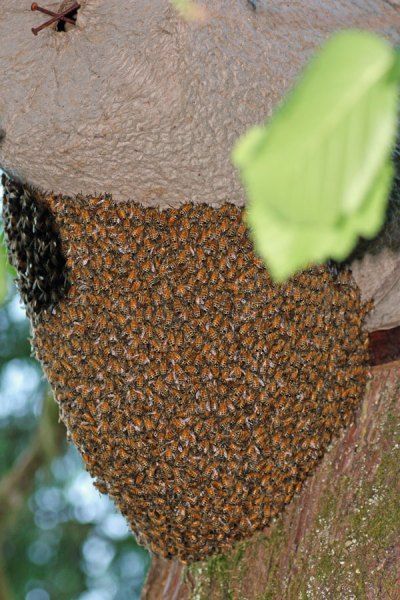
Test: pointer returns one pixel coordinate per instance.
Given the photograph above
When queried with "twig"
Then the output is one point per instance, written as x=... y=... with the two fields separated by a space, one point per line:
x=5 y=588
x=16 y=484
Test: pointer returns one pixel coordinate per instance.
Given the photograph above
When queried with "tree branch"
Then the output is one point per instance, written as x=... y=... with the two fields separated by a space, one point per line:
x=15 y=485
x=5 y=590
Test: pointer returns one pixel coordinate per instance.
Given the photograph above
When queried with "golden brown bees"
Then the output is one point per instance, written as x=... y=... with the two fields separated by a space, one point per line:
x=192 y=384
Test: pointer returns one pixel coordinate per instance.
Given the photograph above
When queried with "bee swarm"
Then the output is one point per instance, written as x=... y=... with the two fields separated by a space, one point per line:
x=199 y=393
x=34 y=248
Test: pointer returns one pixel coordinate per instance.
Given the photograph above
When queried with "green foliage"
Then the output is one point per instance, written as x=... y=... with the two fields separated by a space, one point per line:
x=188 y=9
x=3 y=271
x=318 y=175
x=7 y=271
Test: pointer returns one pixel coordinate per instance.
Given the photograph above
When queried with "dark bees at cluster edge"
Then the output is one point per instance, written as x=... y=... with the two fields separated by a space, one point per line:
x=200 y=394
x=34 y=248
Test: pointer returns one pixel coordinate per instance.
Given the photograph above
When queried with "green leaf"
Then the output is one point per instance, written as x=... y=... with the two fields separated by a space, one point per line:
x=188 y=9
x=396 y=70
x=3 y=271
x=318 y=175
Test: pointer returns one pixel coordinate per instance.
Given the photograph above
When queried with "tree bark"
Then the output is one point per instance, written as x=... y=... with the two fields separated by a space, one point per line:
x=339 y=539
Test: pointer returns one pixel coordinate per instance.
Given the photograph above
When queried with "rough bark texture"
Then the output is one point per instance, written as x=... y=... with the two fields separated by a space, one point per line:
x=339 y=539
x=136 y=102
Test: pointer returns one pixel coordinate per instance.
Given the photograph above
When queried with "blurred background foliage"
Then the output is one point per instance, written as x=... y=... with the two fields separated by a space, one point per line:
x=59 y=537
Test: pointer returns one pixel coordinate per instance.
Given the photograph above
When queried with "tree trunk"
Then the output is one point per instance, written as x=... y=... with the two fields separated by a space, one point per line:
x=339 y=539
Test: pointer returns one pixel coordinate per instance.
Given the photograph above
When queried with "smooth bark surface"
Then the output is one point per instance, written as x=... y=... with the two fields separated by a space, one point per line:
x=339 y=539
x=378 y=278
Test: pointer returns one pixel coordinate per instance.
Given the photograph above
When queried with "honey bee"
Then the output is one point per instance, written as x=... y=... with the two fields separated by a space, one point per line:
x=187 y=436
x=137 y=232
x=213 y=277
x=123 y=454
x=104 y=407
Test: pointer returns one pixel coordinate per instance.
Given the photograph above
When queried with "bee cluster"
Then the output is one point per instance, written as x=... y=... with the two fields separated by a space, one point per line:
x=199 y=393
x=34 y=248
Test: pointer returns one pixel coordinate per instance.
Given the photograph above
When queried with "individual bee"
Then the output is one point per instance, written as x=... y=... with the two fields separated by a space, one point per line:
x=181 y=289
